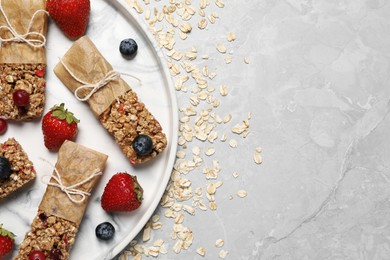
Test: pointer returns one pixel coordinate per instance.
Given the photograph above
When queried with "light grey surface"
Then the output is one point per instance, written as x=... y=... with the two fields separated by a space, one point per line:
x=317 y=86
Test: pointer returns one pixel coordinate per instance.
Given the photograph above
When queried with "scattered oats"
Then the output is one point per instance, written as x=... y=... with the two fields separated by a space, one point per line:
x=147 y=14
x=211 y=188
x=233 y=143
x=210 y=151
x=155 y=218
x=190 y=210
x=156 y=225
x=183 y=35
x=227 y=118
x=196 y=150
x=212 y=136
x=223 y=138
x=221 y=48
x=170 y=213
x=228 y=59
x=178 y=246
x=222 y=254
x=259 y=149
x=179 y=218
x=135 y=4
x=163 y=250
x=223 y=90
x=198 y=191
x=185 y=27
x=202 y=12
x=202 y=206
x=219 y=243
x=203 y=4
x=241 y=193
x=231 y=36
x=218 y=184
x=246 y=60
x=235 y=174
x=205 y=57
x=194 y=101
x=146 y=234
x=211 y=19
x=231 y=197
x=220 y=3
x=191 y=55
x=176 y=55
x=153 y=251
x=257 y=158
x=203 y=95
x=201 y=251
x=202 y=24
x=213 y=205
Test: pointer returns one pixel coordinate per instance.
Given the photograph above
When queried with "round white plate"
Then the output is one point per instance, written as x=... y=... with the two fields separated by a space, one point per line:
x=110 y=22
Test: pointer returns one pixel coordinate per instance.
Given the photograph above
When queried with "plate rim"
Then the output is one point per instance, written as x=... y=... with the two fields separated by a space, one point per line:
x=125 y=10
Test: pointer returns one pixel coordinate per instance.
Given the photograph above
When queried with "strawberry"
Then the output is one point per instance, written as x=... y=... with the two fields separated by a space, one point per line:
x=6 y=242
x=122 y=193
x=71 y=16
x=58 y=125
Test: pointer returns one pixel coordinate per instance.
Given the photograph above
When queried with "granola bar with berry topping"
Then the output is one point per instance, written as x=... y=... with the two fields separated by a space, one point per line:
x=60 y=213
x=22 y=59
x=21 y=168
x=86 y=73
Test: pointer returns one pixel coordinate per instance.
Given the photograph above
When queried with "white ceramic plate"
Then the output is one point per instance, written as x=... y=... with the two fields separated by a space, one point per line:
x=110 y=22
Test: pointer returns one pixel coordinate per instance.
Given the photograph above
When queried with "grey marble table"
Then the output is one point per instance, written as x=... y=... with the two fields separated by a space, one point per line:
x=314 y=74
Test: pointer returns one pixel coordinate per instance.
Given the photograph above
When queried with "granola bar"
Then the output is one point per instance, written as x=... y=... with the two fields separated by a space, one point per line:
x=22 y=57
x=127 y=118
x=52 y=235
x=28 y=77
x=113 y=102
x=60 y=213
x=22 y=169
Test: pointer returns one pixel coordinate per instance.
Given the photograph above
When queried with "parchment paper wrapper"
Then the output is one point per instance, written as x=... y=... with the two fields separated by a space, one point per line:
x=75 y=163
x=86 y=62
x=19 y=13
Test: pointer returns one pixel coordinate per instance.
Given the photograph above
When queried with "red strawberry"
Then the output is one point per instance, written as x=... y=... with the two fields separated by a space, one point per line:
x=122 y=193
x=71 y=16
x=6 y=242
x=58 y=125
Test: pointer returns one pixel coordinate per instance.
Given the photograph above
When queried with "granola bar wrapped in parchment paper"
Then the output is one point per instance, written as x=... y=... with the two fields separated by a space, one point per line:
x=87 y=74
x=23 y=29
x=63 y=205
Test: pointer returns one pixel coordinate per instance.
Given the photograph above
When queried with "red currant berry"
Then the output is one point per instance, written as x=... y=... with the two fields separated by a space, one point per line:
x=3 y=126
x=36 y=255
x=21 y=98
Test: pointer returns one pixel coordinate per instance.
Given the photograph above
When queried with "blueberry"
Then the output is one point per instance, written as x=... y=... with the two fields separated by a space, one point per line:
x=105 y=231
x=128 y=47
x=143 y=145
x=5 y=168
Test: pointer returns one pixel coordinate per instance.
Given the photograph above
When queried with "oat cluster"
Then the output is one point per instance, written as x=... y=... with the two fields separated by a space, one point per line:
x=200 y=127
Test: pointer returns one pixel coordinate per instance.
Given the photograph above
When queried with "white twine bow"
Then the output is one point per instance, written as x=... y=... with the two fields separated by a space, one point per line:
x=23 y=37
x=71 y=191
x=94 y=87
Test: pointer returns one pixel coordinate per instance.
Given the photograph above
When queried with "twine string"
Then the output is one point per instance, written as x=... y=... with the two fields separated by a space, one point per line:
x=71 y=191
x=94 y=87
x=26 y=37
